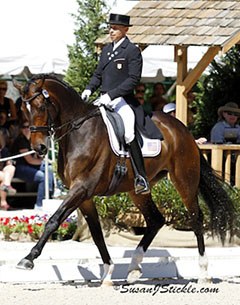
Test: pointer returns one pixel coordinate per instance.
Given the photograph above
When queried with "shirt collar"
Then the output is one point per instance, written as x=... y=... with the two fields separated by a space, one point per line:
x=117 y=44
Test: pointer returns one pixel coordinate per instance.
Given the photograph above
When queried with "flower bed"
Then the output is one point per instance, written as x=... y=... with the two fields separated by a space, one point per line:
x=31 y=228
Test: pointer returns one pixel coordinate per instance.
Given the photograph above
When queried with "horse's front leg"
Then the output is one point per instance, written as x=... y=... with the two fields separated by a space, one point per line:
x=65 y=209
x=89 y=211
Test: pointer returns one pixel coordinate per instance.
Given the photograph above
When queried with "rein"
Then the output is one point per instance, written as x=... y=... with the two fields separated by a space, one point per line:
x=72 y=125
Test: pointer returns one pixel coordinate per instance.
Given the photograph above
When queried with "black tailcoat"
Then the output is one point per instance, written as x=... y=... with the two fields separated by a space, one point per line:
x=117 y=74
x=118 y=71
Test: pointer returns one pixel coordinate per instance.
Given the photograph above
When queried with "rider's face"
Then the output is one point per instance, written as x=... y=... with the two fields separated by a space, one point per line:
x=117 y=32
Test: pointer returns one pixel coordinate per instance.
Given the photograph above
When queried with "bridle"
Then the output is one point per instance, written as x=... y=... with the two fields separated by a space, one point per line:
x=50 y=124
x=51 y=129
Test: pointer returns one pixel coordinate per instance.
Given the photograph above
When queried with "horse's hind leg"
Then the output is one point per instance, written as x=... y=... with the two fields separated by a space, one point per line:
x=188 y=190
x=154 y=221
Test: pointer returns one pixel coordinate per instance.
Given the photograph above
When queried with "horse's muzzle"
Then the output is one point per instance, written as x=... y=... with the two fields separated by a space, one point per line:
x=41 y=149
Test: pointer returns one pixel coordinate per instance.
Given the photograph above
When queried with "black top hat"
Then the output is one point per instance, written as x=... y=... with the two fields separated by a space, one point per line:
x=119 y=19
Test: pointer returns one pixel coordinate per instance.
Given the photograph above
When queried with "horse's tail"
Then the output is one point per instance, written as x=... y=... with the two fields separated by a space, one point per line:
x=214 y=192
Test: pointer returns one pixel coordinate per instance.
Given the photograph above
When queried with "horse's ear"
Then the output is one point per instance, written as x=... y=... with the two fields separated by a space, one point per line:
x=17 y=85
x=39 y=84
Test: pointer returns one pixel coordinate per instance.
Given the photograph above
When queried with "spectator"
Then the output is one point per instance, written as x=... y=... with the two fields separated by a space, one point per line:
x=157 y=100
x=10 y=132
x=227 y=129
x=7 y=104
x=191 y=108
x=170 y=108
x=139 y=95
x=30 y=168
x=7 y=170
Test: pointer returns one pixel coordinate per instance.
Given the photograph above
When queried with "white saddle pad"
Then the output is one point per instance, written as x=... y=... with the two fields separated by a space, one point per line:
x=151 y=147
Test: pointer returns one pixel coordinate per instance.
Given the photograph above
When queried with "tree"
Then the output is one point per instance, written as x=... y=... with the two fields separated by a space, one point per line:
x=83 y=57
x=217 y=88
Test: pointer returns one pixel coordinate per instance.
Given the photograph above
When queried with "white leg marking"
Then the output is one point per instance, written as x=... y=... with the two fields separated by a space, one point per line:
x=107 y=274
x=135 y=269
x=203 y=266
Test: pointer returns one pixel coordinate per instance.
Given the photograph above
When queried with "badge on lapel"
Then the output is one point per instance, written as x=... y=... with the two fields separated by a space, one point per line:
x=119 y=66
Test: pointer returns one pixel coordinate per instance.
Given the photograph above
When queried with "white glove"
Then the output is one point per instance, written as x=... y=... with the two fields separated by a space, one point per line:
x=103 y=100
x=86 y=94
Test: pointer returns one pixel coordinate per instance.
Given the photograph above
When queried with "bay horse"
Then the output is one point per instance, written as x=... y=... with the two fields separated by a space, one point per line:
x=86 y=164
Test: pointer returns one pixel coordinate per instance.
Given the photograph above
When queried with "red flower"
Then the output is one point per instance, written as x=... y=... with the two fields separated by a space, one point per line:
x=64 y=225
x=30 y=229
x=6 y=221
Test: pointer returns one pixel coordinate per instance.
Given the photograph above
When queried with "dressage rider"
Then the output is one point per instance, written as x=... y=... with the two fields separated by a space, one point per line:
x=118 y=72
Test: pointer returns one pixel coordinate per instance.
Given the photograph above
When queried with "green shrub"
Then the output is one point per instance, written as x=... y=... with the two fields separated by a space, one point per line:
x=168 y=202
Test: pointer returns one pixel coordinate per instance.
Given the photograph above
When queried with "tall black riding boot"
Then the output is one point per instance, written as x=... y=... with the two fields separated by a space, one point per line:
x=140 y=183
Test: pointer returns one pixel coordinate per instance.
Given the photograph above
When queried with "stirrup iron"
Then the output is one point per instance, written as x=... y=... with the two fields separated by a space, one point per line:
x=141 y=185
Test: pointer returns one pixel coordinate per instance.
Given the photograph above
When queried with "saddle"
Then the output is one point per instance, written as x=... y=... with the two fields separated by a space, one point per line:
x=115 y=128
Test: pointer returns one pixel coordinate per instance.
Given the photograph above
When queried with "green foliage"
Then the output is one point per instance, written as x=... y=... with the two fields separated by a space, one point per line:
x=235 y=196
x=168 y=202
x=83 y=57
x=216 y=89
x=164 y=195
x=111 y=207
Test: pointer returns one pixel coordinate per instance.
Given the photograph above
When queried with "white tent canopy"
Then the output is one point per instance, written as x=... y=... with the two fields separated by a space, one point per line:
x=158 y=61
x=36 y=34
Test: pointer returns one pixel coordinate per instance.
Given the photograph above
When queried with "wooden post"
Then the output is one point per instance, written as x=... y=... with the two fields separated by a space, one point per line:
x=227 y=166
x=181 y=99
x=217 y=159
x=181 y=104
x=237 y=173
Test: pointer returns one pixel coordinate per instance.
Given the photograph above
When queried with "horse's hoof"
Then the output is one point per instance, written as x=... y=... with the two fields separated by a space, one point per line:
x=133 y=276
x=25 y=264
x=207 y=280
x=107 y=283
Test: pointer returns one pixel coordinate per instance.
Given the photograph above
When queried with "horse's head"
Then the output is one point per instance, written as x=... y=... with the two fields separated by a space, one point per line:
x=36 y=104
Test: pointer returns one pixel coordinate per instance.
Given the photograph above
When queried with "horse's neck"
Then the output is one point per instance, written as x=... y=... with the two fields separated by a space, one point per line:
x=69 y=102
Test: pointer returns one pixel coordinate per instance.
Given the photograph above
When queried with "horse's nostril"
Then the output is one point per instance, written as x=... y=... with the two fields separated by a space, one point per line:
x=41 y=149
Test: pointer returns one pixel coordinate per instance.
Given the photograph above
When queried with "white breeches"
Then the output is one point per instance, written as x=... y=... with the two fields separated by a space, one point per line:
x=120 y=106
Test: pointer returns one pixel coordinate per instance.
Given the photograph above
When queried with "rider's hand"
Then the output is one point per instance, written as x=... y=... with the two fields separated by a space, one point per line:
x=104 y=100
x=85 y=95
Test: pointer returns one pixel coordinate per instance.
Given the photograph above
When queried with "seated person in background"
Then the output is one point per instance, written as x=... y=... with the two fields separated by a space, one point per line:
x=170 y=108
x=157 y=100
x=30 y=168
x=7 y=170
x=139 y=95
x=227 y=130
x=10 y=131
x=7 y=104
